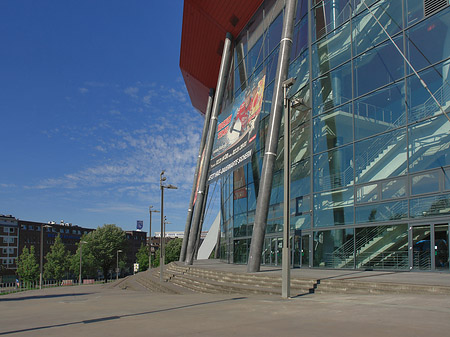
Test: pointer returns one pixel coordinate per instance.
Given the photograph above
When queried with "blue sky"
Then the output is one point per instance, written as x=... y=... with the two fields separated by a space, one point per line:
x=93 y=106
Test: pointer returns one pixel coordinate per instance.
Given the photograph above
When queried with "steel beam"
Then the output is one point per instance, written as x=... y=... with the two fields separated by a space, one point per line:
x=220 y=89
x=276 y=113
x=187 y=227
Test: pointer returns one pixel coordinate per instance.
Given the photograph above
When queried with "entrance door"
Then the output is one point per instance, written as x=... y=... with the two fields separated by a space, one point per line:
x=441 y=248
x=421 y=247
x=430 y=248
x=305 y=251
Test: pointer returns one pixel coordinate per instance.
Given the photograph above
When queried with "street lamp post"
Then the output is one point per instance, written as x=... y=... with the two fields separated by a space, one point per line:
x=286 y=275
x=81 y=254
x=41 y=254
x=161 y=245
x=150 y=210
x=117 y=268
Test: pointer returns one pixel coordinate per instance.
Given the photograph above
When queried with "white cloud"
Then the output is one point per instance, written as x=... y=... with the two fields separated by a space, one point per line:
x=132 y=91
x=83 y=90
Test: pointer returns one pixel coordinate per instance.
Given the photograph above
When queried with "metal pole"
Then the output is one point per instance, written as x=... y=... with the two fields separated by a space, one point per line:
x=161 y=242
x=150 y=240
x=81 y=254
x=41 y=256
x=286 y=268
x=221 y=84
x=117 y=269
x=276 y=111
x=194 y=186
x=199 y=234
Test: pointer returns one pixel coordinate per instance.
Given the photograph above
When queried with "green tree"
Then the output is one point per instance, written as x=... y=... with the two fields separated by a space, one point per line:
x=104 y=243
x=155 y=259
x=89 y=265
x=142 y=257
x=173 y=250
x=27 y=265
x=58 y=261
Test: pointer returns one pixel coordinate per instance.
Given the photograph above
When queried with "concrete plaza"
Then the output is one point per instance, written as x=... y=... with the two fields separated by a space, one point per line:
x=100 y=310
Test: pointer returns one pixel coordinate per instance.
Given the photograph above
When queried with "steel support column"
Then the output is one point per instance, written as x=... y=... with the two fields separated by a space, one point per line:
x=276 y=113
x=202 y=218
x=221 y=84
x=187 y=227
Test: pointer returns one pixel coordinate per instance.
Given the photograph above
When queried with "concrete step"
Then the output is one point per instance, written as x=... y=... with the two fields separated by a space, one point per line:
x=345 y=286
x=207 y=285
x=257 y=280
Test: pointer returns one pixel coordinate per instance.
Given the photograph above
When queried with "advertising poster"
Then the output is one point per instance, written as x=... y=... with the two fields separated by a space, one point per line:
x=236 y=131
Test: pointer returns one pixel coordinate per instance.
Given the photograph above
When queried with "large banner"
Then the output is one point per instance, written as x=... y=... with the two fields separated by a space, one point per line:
x=236 y=131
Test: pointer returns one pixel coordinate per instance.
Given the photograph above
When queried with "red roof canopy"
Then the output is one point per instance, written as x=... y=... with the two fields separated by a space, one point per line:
x=205 y=24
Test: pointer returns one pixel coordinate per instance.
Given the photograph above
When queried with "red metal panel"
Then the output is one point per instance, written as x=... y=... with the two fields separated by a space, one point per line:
x=205 y=24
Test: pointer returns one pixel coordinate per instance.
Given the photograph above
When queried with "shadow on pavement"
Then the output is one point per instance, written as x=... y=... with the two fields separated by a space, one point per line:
x=40 y=297
x=109 y=318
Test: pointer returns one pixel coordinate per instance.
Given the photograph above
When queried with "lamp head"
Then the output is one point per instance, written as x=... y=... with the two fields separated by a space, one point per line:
x=172 y=187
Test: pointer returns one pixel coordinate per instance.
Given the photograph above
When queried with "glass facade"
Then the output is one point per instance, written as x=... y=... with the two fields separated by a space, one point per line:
x=370 y=150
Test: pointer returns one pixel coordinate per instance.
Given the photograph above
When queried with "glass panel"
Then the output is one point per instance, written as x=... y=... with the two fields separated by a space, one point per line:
x=414 y=11
x=368 y=33
x=300 y=140
x=333 y=169
x=302 y=9
x=425 y=183
x=381 y=157
x=266 y=251
x=381 y=111
x=333 y=208
x=429 y=41
x=251 y=197
x=382 y=247
x=447 y=179
x=430 y=206
x=271 y=65
x=277 y=195
x=274 y=33
x=387 y=211
x=296 y=250
x=299 y=69
x=421 y=247
x=367 y=193
x=333 y=128
x=300 y=115
x=305 y=251
x=255 y=55
x=300 y=178
x=328 y=15
x=334 y=249
x=240 y=251
x=279 y=251
x=441 y=247
x=378 y=66
x=240 y=77
x=268 y=94
x=429 y=144
x=300 y=41
x=332 y=89
x=420 y=102
x=240 y=225
x=273 y=251
x=301 y=221
x=331 y=51
x=393 y=189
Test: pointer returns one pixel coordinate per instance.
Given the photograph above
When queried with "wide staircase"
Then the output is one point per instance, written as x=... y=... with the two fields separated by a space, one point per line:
x=203 y=280
x=181 y=279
